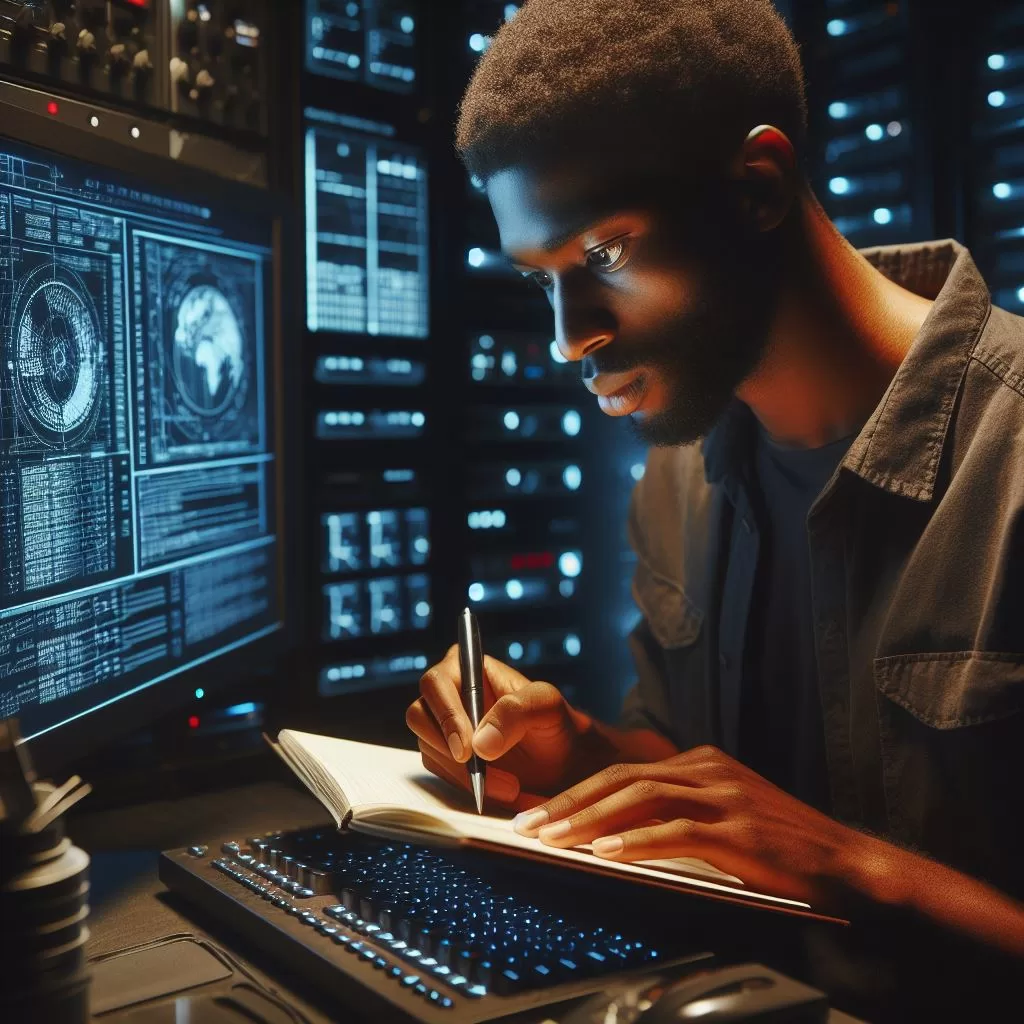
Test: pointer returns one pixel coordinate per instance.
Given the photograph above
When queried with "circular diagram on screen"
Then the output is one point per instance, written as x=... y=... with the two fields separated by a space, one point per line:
x=209 y=361
x=58 y=367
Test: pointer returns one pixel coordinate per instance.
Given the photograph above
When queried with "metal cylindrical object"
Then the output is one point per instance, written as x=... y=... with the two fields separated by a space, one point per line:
x=44 y=888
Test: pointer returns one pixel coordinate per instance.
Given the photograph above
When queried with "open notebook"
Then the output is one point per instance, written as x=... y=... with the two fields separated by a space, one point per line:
x=386 y=792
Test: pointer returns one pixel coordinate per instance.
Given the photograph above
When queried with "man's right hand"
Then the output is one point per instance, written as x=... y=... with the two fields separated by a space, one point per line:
x=535 y=743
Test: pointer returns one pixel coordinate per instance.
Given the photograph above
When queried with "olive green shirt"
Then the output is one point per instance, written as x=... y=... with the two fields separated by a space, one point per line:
x=917 y=572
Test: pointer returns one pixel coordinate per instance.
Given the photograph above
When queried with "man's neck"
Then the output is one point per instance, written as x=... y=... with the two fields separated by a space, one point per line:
x=840 y=333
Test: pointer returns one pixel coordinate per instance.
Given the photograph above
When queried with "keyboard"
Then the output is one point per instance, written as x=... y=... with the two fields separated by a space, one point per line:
x=409 y=932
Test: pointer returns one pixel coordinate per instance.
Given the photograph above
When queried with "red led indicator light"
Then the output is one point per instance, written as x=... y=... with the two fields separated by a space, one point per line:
x=193 y=721
x=52 y=108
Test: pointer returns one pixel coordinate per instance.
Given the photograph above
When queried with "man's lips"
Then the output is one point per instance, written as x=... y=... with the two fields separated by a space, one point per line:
x=607 y=384
x=619 y=394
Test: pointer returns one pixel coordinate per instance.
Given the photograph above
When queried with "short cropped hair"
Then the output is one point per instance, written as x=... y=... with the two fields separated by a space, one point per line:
x=670 y=79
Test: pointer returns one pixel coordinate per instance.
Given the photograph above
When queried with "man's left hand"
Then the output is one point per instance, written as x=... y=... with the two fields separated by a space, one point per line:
x=704 y=804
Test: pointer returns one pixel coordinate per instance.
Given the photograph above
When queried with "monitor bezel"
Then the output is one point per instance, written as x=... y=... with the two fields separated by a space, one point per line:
x=61 y=746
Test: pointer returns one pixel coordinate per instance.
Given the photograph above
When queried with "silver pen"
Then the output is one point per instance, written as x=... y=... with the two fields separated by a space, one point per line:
x=471 y=664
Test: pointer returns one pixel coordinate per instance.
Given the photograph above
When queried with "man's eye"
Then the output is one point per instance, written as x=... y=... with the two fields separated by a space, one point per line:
x=608 y=257
x=539 y=278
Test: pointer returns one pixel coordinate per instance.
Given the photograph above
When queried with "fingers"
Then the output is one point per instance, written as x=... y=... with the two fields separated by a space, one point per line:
x=499 y=786
x=533 y=708
x=439 y=717
x=679 y=838
x=636 y=804
x=441 y=696
x=612 y=780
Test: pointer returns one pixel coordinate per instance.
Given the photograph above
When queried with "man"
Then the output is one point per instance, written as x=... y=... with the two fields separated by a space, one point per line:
x=830 y=530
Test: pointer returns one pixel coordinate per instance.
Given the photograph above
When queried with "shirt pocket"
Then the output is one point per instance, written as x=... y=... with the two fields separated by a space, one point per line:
x=677 y=625
x=952 y=745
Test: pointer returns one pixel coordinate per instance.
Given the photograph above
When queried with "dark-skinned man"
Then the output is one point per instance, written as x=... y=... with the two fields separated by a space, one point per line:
x=830 y=529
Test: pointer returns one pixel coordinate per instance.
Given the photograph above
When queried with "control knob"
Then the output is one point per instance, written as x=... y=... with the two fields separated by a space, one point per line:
x=203 y=87
x=179 y=74
x=57 y=44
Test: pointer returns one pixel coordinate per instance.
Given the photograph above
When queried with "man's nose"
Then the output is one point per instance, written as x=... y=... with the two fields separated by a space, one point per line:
x=581 y=325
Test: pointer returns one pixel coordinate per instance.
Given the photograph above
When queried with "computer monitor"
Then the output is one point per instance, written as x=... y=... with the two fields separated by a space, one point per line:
x=140 y=467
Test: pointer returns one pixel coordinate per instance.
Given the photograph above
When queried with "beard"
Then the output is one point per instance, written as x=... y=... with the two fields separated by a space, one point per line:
x=706 y=352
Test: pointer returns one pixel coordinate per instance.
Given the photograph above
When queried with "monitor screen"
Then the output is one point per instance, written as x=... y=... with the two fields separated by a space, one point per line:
x=372 y=41
x=137 y=453
x=366 y=229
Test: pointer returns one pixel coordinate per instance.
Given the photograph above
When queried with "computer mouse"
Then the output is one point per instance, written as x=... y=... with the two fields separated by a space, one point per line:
x=748 y=992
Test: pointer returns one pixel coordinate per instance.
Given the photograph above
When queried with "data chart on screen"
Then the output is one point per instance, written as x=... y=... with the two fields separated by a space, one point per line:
x=137 y=471
x=372 y=41
x=367 y=249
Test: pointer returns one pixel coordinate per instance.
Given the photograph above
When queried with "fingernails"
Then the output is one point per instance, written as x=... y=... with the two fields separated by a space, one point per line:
x=487 y=741
x=455 y=745
x=556 y=831
x=529 y=821
x=607 y=847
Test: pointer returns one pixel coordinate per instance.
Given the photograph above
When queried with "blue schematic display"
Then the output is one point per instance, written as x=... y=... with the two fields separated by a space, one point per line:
x=136 y=479
x=366 y=230
x=364 y=40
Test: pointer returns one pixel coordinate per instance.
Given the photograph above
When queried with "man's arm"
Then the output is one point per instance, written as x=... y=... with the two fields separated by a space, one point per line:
x=901 y=879
x=707 y=805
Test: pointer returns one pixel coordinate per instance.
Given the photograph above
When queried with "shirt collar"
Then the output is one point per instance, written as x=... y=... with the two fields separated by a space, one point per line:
x=900 y=447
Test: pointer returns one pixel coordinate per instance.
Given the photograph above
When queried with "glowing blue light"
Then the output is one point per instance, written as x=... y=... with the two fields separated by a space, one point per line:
x=514 y=589
x=513 y=477
x=476 y=591
x=567 y=588
x=407 y=25
x=511 y=10
x=477 y=42
x=996 y=61
x=509 y=364
x=571 y=423
x=200 y=693
x=839 y=186
x=511 y=420
x=838 y=110
x=1020 y=294
x=894 y=128
x=996 y=98
x=636 y=471
x=883 y=215
x=875 y=132
x=237 y=710
x=515 y=650
x=837 y=27
x=572 y=477
x=1002 y=190
x=476 y=257
x=485 y=341
x=499 y=519
x=556 y=353
x=572 y=646
x=570 y=564
x=418 y=419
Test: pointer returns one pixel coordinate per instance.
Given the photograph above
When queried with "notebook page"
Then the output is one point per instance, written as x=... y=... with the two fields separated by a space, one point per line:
x=384 y=780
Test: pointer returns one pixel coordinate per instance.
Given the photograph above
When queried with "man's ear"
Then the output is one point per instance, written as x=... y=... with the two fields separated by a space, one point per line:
x=765 y=173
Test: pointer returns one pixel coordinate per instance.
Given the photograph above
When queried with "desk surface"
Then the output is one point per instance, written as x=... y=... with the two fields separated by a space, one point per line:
x=129 y=904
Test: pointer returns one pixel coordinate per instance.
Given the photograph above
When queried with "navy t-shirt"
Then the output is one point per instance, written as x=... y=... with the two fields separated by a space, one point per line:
x=781 y=730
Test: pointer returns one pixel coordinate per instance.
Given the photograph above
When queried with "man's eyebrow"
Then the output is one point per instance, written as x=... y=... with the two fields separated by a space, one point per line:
x=563 y=239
